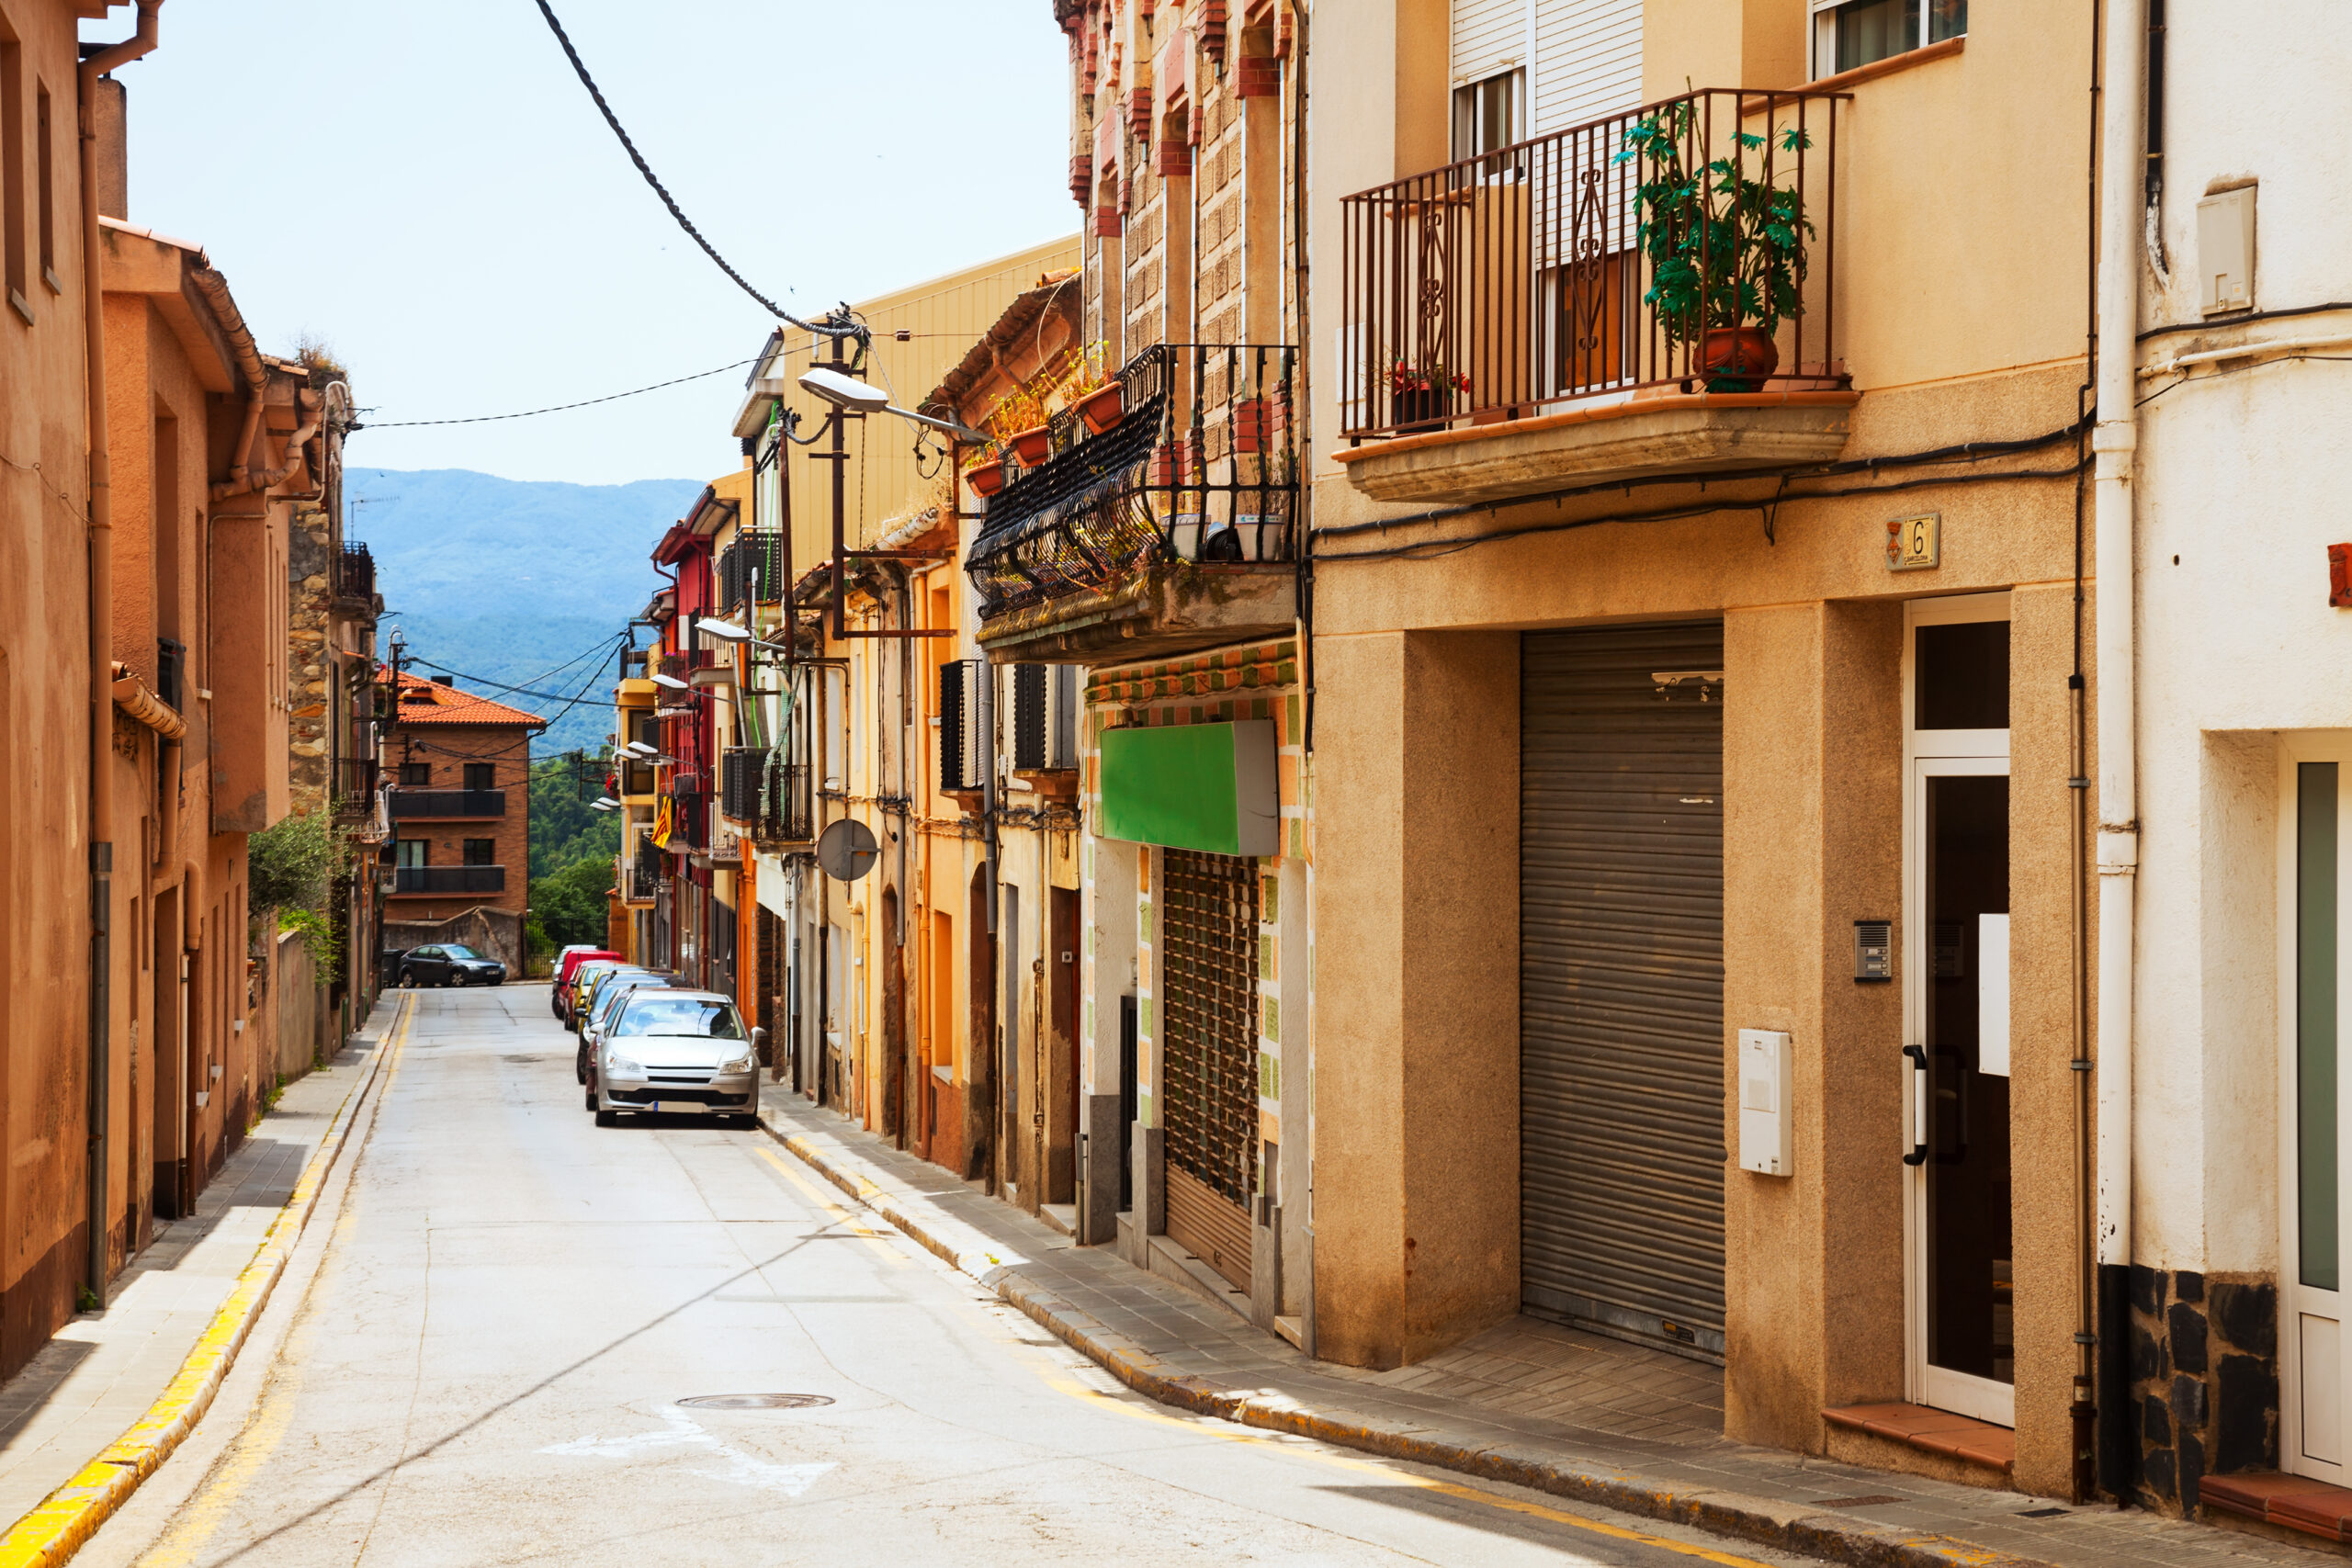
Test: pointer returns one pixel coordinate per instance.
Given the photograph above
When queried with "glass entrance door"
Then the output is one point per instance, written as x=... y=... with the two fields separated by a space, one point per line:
x=2314 y=834
x=1956 y=1009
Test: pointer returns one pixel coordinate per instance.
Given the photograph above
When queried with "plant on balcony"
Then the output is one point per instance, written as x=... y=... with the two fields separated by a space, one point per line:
x=988 y=477
x=1422 y=398
x=1726 y=250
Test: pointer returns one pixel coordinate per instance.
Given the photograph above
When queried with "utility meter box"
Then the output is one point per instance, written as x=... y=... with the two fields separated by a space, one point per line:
x=1764 y=1126
x=2225 y=252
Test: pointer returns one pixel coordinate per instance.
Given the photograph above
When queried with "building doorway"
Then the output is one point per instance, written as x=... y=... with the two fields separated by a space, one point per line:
x=1956 y=1007
x=1208 y=1076
x=1622 y=982
x=2315 y=789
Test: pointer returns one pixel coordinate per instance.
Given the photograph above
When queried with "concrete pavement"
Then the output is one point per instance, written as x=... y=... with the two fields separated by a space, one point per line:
x=485 y=1348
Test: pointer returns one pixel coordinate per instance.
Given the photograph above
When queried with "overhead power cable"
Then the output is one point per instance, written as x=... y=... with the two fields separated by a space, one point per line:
x=558 y=408
x=829 y=330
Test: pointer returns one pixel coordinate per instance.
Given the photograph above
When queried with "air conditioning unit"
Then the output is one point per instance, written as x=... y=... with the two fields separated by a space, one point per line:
x=963 y=735
x=1045 y=716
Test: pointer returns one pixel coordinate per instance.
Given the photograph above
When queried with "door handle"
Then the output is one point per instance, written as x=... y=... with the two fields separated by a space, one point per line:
x=1917 y=1056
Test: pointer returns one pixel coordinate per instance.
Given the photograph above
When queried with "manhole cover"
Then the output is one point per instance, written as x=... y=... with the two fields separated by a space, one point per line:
x=756 y=1401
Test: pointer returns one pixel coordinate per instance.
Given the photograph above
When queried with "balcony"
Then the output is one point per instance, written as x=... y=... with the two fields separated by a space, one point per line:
x=768 y=796
x=429 y=879
x=406 y=802
x=689 y=820
x=353 y=578
x=1171 y=531
x=751 y=571
x=647 y=870
x=1561 y=314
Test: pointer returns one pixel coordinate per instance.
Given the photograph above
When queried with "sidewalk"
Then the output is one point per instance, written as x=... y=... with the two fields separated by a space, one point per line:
x=1528 y=1402
x=102 y=1370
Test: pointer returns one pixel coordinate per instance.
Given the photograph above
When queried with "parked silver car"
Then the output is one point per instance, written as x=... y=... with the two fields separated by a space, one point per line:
x=609 y=995
x=676 y=1050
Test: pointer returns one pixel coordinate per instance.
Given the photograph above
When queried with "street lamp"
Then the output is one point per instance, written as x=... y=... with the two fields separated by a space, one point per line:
x=846 y=391
x=726 y=631
x=665 y=679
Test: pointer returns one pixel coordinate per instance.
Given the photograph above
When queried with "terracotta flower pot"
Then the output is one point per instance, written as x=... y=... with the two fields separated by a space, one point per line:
x=1249 y=425
x=1103 y=407
x=987 y=478
x=1738 y=359
x=1034 y=445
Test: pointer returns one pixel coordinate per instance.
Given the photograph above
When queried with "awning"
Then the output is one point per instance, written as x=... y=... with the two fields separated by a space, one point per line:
x=1194 y=786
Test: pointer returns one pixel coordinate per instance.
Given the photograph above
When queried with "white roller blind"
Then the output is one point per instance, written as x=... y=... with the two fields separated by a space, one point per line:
x=1489 y=36
x=1588 y=61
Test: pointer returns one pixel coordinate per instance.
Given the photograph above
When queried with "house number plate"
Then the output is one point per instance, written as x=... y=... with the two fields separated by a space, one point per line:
x=1915 y=543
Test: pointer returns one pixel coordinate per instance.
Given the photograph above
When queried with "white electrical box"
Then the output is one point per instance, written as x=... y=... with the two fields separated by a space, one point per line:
x=2225 y=252
x=1764 y=1073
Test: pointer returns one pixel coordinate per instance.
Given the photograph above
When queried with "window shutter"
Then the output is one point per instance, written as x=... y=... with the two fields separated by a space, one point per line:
x=1029 y=718
x=1488 y=35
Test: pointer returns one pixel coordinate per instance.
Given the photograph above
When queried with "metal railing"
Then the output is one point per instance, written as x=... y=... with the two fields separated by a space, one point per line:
x=449 y=879
x=757 y=788
x=752 y=568
x=355 y=573
x=448 y=803
x=1201 y=467
x=1597 y=260
x=690 y=819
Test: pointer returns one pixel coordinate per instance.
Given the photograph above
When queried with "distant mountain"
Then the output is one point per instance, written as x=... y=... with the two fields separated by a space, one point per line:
x=508 y=581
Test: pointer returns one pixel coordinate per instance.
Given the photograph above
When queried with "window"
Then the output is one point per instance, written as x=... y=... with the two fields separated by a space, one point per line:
x=416 y=774
x=1488 y=115
x=414 y=851
x=481 y=851
x=12 y=170
x=45 y=146
x=1850 y=33
x=481 y=775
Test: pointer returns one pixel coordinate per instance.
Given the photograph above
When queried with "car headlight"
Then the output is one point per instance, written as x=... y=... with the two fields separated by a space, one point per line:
x=742 y=1063
x=621 y=1066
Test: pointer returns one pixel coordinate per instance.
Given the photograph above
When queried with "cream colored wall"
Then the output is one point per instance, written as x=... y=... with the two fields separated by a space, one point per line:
x=945 y=315
x=1415 y=1032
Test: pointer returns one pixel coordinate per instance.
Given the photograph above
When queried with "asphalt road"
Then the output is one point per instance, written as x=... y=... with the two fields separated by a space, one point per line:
x=481 y=1354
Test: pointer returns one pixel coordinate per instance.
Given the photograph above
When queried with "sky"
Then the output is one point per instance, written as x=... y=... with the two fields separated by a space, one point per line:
x=426 y=184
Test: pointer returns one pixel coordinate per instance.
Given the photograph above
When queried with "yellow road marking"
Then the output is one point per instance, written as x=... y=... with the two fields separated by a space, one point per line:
x=817 y=1196
x=1211 y=1427
x=252 y=1448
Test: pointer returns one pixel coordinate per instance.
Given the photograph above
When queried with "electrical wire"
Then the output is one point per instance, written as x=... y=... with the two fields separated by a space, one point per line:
x=2235 y=369
x=557 y=408
x=841 y=329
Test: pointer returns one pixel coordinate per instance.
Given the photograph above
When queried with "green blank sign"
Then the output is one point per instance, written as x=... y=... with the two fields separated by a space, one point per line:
x=1194 y=786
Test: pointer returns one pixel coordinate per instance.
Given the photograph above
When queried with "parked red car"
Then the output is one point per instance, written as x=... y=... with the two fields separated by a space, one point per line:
x=560 y=1000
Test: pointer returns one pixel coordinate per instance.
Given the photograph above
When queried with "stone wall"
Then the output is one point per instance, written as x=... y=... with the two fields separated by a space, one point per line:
x=2205 y=1372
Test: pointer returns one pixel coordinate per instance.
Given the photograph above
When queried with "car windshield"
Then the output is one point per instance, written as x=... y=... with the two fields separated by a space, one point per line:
x=611 y=995
x=459 y=952
x=705 y=1016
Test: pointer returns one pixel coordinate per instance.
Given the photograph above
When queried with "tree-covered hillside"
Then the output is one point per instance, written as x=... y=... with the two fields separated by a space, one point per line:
x=572 y=852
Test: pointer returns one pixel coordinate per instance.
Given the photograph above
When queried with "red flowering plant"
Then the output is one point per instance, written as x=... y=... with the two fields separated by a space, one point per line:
x=1405 y=378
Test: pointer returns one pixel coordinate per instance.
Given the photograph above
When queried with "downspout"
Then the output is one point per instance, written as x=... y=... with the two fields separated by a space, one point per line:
x=2113 y=439
x=101 y=650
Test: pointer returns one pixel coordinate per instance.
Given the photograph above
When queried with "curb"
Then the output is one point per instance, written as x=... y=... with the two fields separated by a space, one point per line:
x=57 y=1527
x=1760 y=1521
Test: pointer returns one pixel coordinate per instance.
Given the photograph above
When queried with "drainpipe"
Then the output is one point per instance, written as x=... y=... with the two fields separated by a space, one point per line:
x=2112 y=442
x=101 y=651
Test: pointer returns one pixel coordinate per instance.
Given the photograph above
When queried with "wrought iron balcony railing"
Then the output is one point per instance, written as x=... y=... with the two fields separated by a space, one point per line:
x=752 y=569
x=355 y=573
x=449 y=879
x=768 y=794
x=1599 y=260
x=448 y=803
x=1201 y=467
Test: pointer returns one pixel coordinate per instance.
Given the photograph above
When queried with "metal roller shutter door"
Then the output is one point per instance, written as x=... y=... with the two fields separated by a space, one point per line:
x=1620 y=983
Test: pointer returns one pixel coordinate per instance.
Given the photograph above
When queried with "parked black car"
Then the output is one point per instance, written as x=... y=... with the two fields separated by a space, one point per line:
x=449 y=965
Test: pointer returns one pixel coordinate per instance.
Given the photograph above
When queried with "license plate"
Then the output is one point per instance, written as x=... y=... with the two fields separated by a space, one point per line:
x=681 y=1108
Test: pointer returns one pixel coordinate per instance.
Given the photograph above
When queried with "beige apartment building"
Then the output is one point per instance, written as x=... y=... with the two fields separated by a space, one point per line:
x=1700 y=896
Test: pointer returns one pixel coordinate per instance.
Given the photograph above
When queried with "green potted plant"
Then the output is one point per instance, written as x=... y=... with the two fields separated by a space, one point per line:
x=1726 y=250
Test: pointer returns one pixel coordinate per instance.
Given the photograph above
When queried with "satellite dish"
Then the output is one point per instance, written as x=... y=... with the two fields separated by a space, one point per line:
x=847 y=850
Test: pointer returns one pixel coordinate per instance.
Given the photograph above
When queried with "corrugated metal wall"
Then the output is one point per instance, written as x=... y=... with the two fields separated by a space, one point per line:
x=1620 y=982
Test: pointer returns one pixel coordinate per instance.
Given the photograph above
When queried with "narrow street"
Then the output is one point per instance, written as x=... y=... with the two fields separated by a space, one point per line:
x=489 y=1363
